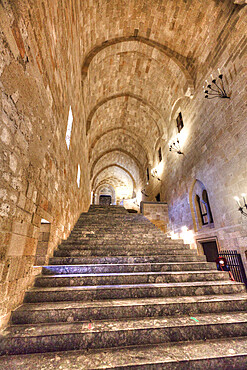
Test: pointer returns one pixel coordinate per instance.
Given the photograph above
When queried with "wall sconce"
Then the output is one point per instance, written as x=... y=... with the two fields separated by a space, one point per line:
x=174 y=146
x=215 y=91
x=143 y=191
x=154 y=173
x=240 y=206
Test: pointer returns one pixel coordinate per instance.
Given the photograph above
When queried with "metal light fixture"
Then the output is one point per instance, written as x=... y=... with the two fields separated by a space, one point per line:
x=242 y=206
x=174 y=146
x=143 y=191
x=154 y=174
x=215 y=89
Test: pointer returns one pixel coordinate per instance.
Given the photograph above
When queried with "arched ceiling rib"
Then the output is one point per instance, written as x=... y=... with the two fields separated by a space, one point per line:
x=120 y=132
x=120 y=141
x=113 y=165
x=116 y=96
x=118 y=178
x=120 y=159
x=175 y=24
x=134 y=71
x=182 y=61
x=118 y=150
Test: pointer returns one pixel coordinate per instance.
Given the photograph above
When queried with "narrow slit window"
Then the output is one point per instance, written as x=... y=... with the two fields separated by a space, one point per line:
x=180 y=123
x=147 y=174
x=69 y=128
x=160 y=154
x=78 y=176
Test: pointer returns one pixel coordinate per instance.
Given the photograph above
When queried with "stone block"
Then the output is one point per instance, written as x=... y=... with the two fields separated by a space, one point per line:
x=16 y=245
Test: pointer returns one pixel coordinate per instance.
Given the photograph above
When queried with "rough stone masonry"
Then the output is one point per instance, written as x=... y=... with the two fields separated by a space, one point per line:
x=126 y=69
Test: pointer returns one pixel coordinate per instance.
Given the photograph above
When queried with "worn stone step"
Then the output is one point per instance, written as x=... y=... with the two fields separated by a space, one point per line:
x=124 y=259
x=116 y=239
x=227 y=354
x=110 y=251
x=124 y=243
x=20 y=339
x=128 y=278
x=131 y=267
x=84 y=293
x=48 y=312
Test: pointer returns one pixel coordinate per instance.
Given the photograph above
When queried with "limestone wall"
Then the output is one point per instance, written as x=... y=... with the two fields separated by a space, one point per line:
x=126 y=70
x=214 y=144
x=157 y=213
x=38 y=173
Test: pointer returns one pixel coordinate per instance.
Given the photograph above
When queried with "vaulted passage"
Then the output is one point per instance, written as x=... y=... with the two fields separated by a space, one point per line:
x=132 y=103
x=118 y=281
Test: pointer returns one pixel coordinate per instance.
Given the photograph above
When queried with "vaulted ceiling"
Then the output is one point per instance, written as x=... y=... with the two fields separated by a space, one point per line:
x=135 y=59
x=139 y=58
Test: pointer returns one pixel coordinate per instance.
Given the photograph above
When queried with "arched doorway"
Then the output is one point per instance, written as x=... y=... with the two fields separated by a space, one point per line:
x=104 y=200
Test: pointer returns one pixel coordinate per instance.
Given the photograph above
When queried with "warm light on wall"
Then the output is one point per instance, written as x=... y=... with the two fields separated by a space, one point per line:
x=173 y=235
x=157 y=171
x=139 y=197
x=187 y=235
x=241 y=206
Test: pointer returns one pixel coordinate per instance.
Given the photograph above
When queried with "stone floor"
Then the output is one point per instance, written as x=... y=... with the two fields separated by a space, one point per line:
x=119 y=294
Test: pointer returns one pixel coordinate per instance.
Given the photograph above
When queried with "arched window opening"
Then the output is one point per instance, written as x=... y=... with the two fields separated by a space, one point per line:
x=180 y=123
x=200 y=206
x=147 y=174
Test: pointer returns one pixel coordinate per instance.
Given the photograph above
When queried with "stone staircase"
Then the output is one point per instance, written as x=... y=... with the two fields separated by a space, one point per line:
x=119 y=294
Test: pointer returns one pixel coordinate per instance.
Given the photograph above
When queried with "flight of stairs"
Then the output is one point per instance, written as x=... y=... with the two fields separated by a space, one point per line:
x=119 y=294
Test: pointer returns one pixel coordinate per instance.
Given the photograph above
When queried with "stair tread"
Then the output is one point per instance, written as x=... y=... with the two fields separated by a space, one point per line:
x=123 y=325
x=103 y=274
x=147 y=285
x=131 y=302
x=171 y=355
x=125 y=312
x=131 y=264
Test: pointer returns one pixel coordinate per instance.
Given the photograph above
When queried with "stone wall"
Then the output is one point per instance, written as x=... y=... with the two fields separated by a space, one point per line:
x=214 y=144
x=38 y=173
x=157 y=213
x=126 y=70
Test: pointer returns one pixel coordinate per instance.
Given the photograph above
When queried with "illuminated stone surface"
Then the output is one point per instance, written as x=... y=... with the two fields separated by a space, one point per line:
x=127 y=297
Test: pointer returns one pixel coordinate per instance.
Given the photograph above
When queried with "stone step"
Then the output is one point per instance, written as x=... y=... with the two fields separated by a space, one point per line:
x=20 y=339
x=50 y=312
x=103 y=251
x=131 y=267
x=124 y=259
x=102 y=227
x=224 y=354
x=123 y=242
x=120 y=238
x=128 y=278
x=85 y=293
x=125 y=245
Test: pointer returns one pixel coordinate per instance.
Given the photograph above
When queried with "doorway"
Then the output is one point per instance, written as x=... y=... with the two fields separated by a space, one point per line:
x=104 y=200
x=210 y=250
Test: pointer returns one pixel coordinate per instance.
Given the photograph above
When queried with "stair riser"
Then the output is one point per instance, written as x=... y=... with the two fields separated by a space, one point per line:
x=131 y=312
x=129 y=292
x=87 y=269
x=107 y=339
x=122 y=252
x=127 y=279
x=124 y=259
